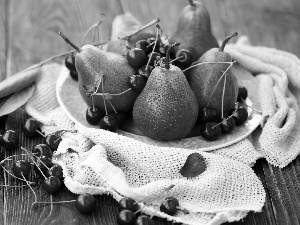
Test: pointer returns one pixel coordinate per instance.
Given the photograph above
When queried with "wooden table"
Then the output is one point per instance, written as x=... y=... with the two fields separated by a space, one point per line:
x=29 y=34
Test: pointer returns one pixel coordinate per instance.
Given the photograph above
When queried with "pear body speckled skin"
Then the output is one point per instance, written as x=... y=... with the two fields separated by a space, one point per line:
x=194 y=30
x=203 y=79
x=167 y=108
x=91 y=63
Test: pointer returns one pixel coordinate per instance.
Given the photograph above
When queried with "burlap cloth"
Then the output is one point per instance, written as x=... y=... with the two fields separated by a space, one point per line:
x=106 y=162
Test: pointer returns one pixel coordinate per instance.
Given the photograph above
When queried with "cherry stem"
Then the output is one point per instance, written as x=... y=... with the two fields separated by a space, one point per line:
x=221 y=49
x=13 y=186
x=129 y=89
x=236 y=108
x=9 y=158
x=231 y=64
x=60 y=55
x=69 y=201
x=35 y=196
x=112 y=106
x=151 y=23
x=179 y=57
x=69 y=42
x=204 y=63
x=95 y=27
x=223 y=95
x=255 y=110
x=32 y=183
x=192 y=3
x=40 y=133
x=30 y=156
x=153 y=49
x=167 y=62
x=104 y=98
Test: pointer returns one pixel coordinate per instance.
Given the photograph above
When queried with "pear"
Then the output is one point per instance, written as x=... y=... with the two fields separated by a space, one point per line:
x=92 y=64
x=122 y=26
x=194 y=31
x=203 y=80
x=167 y=108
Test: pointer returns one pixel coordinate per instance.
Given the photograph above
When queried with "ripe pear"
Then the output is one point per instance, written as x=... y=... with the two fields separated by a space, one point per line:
x=91 y=64
x=194 y=30
x=167 y=108
x=124 y=25
x=203 y=80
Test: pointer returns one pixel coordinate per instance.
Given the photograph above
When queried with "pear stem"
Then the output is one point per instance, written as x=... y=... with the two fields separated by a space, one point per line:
x=167 y=66
x=192 y=3
x=221 y=49
x=122 y=11
x=212 y=93
x=156 y=20
x=69 y=42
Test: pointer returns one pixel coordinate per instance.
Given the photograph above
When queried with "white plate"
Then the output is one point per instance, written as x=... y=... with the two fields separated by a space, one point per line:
x=74 y=106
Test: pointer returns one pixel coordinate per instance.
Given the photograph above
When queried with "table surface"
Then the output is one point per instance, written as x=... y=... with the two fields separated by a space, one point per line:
x=29 y=34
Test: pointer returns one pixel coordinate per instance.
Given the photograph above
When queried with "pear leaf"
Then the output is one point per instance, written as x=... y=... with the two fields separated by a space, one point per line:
x=16 y=100
x=18 y=82
x=194 y=165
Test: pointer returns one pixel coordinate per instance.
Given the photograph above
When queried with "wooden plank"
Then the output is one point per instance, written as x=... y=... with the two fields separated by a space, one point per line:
x=4 y=20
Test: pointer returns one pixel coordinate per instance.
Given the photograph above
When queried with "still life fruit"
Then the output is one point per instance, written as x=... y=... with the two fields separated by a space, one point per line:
x=153 y=82
x=169 y=88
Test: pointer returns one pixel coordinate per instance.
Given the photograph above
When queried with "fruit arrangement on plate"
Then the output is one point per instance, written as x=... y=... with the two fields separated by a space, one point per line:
x=164 y=88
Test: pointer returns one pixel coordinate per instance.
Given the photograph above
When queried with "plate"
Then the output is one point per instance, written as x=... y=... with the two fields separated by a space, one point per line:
x=74 y=106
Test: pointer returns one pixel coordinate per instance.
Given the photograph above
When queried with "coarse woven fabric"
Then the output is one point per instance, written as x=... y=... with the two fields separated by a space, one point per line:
x=105 y=162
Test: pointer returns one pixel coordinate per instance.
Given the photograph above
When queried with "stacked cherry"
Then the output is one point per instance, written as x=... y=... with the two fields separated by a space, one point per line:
x=212 y=127
x=70 y=64
x=96 y=116
x=129 y=211
x=40 y=161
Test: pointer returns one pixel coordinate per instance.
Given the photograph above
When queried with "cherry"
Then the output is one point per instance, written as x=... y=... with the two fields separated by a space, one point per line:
x=227 y=125
x=144 y=220
x=30 y=127
x=128 y=203
x=42 y=165
x=136 y=57
x=85 y=203
x=169 y=206
x=207 y=115
x=74 y=75
x=42 y=149
x=109 y=122
x=53 y=140
x=93 y=115
x=153 y=57
x=126 y=217
x=136 y=83
x=56 y=171
x=70 y=62
x=210 y=131
x=145 y=73
x=240 y=115
x=9 y=140
x=242 y=95
x=51 y=184
x=185 y=58
x=21 y=167
x=144 y=45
